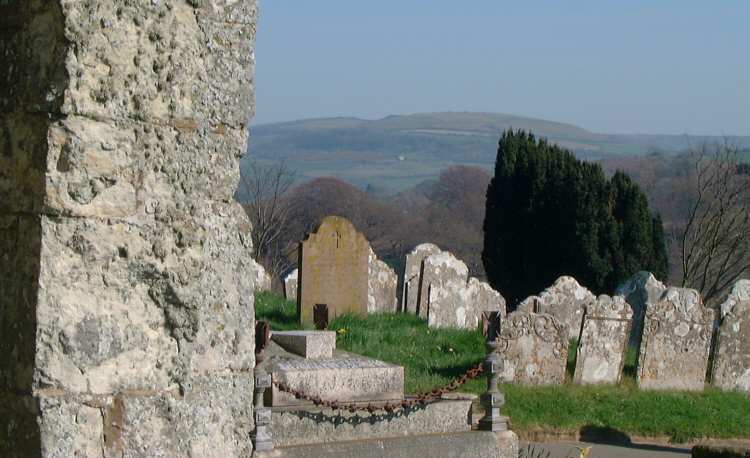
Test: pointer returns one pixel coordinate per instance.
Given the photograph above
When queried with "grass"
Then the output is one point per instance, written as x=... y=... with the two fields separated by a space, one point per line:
x=433 y=357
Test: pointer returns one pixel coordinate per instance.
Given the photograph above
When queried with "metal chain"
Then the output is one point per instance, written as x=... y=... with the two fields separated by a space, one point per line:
x=420 y=399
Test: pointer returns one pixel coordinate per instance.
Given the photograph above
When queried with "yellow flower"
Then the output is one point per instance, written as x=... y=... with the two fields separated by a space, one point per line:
x=342 y=331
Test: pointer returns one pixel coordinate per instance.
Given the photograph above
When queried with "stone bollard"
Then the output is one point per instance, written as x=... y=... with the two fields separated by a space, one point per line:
x=261 y=437
x=493 y=400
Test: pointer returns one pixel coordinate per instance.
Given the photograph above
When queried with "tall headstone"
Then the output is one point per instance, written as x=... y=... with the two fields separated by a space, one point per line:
x=126 y=313
x=604 y=341
x=731 y=370
x=290 y=285
x=740 y=293
x=565 y=300
x=412 y=281
x=676 y=342
x=534 y=348
x=382 y=285
x=334 y=270
x=640 y=291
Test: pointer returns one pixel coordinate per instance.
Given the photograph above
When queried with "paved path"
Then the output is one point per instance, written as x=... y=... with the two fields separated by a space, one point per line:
x=559 y=450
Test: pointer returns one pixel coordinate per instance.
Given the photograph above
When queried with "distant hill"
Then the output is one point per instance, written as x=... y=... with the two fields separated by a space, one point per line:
x=397 y=152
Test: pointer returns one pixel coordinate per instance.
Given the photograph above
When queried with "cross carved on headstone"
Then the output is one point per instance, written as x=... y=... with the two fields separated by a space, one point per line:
x=337 y=237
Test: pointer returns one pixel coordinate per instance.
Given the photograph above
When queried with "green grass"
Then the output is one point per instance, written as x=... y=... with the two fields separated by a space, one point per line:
x=432 y=358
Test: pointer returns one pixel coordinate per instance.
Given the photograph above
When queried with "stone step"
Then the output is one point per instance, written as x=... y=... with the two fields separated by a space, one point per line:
x=474 y=444
x=294 y=426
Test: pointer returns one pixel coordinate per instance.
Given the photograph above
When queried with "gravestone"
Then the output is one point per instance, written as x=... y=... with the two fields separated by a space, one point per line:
x=290 y=286
x=534 y=348
x=565 y=300
x=382 y=285
x=640 y=291
x=444 y=272
x=676 y=342
x=412 y=280
x=483 y=298
x=604 y=341
x=126 y=313
x=731 y=370
x=261 y=279
x=334 y=270
x=740 y=293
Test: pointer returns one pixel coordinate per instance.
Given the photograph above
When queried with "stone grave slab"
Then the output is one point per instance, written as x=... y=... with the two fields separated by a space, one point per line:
x=731 y=371
x=565 y=300
x=344 y=377
x=740 y=292
x=534 y=347
x=413 y=275
x=308 y=344
x=639 y=291
x=604 y=341
x=676 y=342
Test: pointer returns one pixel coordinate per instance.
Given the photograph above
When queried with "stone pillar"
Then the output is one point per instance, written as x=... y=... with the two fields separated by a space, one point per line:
x=126 y=311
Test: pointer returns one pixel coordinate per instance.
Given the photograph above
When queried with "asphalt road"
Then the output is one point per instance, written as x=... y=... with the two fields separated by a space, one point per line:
x=562 y=449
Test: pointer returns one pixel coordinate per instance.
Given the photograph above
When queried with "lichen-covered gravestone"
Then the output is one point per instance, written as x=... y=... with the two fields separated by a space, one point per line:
x=290 y=285
x=126 y=313
x=604 y=341
x=534 y=348
x=676 y=342
x=443 y=276
x=740 y=293
x=731 y=370
x=640 y=291
x=565 y=300
x=382 y=285
x=412 y=286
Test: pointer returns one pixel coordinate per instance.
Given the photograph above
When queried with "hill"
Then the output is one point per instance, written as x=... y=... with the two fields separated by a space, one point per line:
x=397 y=152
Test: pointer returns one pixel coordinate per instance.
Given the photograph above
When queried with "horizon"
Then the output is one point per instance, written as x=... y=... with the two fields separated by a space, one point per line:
x=673 y=68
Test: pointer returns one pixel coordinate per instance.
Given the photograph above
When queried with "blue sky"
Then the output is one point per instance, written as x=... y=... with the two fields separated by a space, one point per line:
x=669 y=66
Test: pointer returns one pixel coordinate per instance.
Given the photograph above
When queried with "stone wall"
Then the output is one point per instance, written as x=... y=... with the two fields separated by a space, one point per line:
x=126 y=319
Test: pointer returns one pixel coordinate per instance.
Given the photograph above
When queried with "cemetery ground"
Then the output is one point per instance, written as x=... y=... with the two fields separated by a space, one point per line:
x=434 y=357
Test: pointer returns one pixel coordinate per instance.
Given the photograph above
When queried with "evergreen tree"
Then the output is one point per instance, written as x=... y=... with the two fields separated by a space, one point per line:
x=549 y=214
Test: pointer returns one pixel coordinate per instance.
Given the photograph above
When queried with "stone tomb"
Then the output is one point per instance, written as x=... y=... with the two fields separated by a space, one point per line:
x=308 y=344
x=604 y=341
x=333 y=270
x=534 y=348
x=565 y=300
x=676 y=342
x=344 y=377
x=731 y=369
x=412 y=282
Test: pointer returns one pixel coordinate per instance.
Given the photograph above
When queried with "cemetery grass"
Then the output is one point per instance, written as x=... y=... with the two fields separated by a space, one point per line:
x=434 y=357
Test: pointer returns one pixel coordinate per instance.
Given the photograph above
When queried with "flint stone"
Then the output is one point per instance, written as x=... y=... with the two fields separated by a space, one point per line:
x=308 y=344
x=412 y=286
x=740 y=293
x=565 y=300
x=290 y=285
x=640 y=291
x=676 y=342
x=604 y=341
x=731 y=370
x=334 y=270
x=382 y=285
x=345 y=377
x=534 y=348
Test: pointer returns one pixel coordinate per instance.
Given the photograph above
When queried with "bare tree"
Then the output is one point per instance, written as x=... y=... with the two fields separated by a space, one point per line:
x=263 y=194
x=715 y=243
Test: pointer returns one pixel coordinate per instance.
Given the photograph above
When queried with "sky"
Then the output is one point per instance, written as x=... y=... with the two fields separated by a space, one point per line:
x=636 y=66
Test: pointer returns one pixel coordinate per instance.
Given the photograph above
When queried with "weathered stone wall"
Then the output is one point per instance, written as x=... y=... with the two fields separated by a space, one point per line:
x=676 y=342
x=604 y=341
x=126 y=313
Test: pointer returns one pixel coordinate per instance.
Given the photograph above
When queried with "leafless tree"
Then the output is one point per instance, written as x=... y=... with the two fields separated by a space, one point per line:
x=264 y=196
x=715 y=242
